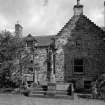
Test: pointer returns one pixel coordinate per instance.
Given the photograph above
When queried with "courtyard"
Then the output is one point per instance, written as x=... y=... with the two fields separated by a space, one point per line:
x=10 y=99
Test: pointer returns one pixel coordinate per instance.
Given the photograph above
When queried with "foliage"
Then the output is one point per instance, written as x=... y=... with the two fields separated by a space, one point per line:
x=100 y=85
x=13 y=59
x=9 y=46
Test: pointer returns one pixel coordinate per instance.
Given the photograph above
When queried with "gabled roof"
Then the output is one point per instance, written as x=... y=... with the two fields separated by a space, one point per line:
x=71 y=24
x=29 y=37
x=41 y=40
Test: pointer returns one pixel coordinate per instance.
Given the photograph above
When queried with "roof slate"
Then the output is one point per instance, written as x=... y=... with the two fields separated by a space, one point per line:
x=44 y=40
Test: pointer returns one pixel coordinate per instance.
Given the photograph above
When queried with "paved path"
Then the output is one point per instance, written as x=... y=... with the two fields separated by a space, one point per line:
x=22 y=100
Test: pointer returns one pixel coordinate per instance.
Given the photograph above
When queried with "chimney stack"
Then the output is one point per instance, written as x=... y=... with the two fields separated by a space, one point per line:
x=18 y=30
x=78 y=9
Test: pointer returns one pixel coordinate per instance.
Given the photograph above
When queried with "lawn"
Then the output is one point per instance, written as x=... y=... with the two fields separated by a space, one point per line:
x=9 y=99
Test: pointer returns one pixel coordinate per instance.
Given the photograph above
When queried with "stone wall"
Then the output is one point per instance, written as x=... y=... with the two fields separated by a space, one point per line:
x=40 y=59
x=86 y=42
x=59 y=59
x=39 y=64
x=61 y=41
x=80 y=38
x=59 y=66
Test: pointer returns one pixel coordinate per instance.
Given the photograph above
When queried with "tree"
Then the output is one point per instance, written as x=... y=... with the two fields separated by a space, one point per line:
x=9 y=46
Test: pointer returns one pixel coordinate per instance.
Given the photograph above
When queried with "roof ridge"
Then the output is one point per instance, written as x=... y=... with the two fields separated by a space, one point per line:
x=64 y=26
x=92 y=22
x=95 y=25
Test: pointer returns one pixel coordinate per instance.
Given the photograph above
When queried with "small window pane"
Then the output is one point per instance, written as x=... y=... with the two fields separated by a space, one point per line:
x=78 y=68
x=29 y=43
x=78 y=62
x=78 y=65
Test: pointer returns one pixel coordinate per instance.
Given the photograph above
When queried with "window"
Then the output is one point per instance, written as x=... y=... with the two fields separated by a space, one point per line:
x=30 y=70
x=78 y=43
x=29 y=43
x=78 y=65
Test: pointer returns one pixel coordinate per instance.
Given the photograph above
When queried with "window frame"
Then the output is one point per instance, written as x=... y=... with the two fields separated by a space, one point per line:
x=74 y=65
x=29 y=43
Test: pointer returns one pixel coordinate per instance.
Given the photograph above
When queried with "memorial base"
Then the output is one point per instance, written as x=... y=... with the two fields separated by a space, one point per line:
x=51 y=89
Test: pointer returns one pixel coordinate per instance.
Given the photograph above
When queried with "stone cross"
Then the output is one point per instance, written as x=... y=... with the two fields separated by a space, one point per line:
x=78 y=2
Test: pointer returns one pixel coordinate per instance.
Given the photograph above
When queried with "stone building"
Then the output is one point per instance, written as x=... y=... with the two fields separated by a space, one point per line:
x=38 y=49
x=82 y=50
x=76 y=54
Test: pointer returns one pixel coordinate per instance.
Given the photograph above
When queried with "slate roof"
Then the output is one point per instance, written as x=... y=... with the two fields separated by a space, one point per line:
x=30 y=37
x=44 y=40
x=41 y=40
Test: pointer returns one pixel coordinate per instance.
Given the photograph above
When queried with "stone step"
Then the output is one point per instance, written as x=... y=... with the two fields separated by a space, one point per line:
x=38 y=92
x=56 y=96
x=61 y=92
x=56 y=92
x=37 y=89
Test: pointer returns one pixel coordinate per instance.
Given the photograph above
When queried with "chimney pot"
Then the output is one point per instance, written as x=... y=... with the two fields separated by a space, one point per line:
x=78 y=9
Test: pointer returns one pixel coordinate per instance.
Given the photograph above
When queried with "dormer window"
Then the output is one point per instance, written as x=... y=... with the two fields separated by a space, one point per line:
x=29 y=43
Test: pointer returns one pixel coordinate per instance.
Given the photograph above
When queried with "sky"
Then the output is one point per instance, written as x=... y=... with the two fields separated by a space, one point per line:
x=45 y=17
